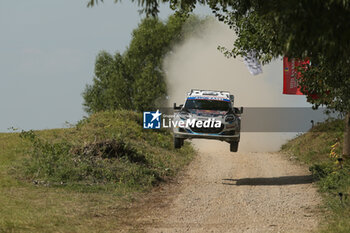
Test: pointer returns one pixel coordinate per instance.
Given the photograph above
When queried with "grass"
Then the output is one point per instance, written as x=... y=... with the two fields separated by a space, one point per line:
x=83 y=178
x=320 y=148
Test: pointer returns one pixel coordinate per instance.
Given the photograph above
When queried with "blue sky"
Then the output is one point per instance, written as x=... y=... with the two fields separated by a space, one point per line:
x=47 y=55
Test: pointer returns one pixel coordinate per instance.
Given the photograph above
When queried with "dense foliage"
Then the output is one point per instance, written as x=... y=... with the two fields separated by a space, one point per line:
x=135 y=79
x=316 y=30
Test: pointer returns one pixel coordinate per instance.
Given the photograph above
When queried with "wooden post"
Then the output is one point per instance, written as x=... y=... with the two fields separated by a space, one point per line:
x=346 y=145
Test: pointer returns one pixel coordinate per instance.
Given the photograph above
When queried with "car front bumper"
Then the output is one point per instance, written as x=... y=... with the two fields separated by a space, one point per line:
x=227 y=138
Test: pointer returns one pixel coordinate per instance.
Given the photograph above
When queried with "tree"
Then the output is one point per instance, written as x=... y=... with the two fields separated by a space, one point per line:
x=315 y=30
x=135 y=79
x=150 y=43
x=111 y=85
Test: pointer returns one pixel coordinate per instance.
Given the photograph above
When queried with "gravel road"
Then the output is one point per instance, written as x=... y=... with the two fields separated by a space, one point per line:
x=237 y=192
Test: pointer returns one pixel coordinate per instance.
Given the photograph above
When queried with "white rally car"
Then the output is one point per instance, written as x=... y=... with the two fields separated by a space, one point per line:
x=210 y=115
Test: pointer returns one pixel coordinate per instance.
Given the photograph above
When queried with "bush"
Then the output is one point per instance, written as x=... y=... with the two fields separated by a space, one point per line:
x=104 y=151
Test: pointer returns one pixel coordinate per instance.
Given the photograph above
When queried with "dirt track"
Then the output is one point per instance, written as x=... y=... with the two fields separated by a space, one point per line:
x=236 y=192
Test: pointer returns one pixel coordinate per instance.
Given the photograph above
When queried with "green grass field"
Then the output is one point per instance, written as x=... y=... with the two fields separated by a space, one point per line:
x=314 y=148
x=82 y=178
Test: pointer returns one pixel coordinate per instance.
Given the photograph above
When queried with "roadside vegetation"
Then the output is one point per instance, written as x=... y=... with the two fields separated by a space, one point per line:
x=70 y=179
x=83 y=178
x=321 y=149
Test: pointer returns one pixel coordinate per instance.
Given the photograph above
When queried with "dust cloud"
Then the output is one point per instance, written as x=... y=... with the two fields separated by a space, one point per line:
x=197 y=64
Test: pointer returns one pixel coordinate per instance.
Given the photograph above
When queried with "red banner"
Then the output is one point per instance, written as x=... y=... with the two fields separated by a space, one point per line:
x=291 y=76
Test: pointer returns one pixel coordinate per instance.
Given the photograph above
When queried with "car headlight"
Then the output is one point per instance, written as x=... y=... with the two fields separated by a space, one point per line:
x=230 y=118
x=184 y=115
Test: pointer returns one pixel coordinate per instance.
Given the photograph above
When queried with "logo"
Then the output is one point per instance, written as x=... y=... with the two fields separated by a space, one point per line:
x=151 y=120
x=208 y=123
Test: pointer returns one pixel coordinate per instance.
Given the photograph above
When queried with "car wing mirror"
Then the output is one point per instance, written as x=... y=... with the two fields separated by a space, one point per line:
x=238 y=111
x=178 y=107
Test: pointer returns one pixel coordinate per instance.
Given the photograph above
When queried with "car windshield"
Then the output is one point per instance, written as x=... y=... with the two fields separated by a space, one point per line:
x=208 y=105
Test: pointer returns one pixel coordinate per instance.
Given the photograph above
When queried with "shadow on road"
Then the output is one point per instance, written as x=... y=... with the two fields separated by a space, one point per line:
x=282 y=180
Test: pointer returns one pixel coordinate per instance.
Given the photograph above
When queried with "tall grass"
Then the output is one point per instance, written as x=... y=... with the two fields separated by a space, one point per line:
x=107 y=150
x=82 y=179
x=321 y=149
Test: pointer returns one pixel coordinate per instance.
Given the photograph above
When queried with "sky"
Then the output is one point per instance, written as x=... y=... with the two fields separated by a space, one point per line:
x=48 y=51
x=47 y=55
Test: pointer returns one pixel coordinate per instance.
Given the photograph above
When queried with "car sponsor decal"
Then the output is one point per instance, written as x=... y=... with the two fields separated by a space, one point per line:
x=208 y=98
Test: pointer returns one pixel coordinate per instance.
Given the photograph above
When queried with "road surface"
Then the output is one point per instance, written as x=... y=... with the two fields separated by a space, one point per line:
x=223 y=191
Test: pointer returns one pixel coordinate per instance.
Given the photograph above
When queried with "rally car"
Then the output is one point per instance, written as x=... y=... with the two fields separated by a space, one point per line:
x=209 y=115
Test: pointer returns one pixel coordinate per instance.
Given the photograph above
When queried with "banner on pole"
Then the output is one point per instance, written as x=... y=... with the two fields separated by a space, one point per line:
x=291 y=75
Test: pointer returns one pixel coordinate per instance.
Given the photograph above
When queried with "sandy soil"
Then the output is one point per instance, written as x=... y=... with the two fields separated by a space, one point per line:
x=234 y=192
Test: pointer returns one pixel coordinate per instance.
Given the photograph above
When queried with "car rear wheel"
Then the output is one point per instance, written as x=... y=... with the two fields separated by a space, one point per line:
x=234 y=146
x=178 y=142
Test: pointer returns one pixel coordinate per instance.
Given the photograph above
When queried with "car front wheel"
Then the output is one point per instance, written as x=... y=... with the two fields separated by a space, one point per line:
x=178 y=142
x=234 y=146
